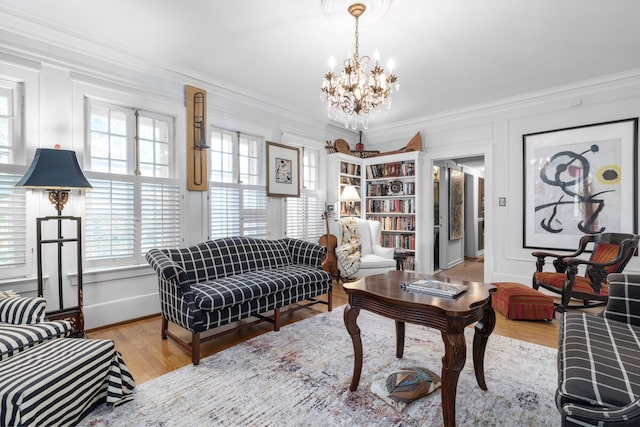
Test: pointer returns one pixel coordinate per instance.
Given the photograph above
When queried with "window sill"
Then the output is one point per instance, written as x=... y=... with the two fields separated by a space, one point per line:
x=100 y=275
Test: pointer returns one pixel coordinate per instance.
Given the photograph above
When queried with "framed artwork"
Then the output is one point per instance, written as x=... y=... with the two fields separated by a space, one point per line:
x=283 y=170
x=456 y=204
x=579 y=180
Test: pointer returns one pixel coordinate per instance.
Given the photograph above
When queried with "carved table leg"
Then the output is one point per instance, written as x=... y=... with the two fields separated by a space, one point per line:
x=455 y=353
x=399 y=339
x=350 y=318
x=483 y=328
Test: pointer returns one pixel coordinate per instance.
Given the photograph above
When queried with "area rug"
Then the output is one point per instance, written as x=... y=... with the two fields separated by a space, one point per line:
x=300 y=376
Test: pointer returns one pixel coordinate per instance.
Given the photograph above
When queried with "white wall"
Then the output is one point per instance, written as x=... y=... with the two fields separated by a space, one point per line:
x=495 y=130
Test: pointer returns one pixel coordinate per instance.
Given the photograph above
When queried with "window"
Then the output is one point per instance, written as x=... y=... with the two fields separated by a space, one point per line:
x=304 y=218
x=237 y=191
x=13 y=201
x=135 y=202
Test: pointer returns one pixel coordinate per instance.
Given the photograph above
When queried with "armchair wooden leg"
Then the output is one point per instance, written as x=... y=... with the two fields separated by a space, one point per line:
x=566 y=297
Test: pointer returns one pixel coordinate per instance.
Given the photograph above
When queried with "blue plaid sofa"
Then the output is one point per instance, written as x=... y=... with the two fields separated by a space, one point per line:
x=598 y=369
x=221 y=281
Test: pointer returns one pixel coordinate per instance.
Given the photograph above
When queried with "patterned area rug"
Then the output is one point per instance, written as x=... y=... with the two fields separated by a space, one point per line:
x=301 y=374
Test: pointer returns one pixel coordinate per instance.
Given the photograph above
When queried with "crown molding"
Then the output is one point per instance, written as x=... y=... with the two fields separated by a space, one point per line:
x=40 y=41
x=580 y=88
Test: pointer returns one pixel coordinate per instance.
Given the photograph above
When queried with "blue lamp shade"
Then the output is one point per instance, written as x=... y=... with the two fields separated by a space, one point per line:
x=54 y=170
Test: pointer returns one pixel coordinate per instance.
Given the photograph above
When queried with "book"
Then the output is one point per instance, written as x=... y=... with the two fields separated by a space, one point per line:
x=435 y=287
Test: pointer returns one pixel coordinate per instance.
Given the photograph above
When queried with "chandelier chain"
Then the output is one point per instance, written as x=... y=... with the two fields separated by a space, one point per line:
x=357 y=37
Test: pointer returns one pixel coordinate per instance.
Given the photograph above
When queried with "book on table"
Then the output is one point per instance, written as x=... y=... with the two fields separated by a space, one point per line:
x=435 y=287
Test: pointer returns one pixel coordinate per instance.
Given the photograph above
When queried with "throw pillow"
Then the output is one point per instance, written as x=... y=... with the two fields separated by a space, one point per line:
x=405 y=386
x=8 y=294
x=22 y=310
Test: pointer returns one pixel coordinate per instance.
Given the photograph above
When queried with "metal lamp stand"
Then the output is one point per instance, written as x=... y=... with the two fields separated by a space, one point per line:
x=72 y=314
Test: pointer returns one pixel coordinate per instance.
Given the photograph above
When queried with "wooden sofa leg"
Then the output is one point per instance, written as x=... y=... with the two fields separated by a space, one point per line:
x=329 y=301
x=165 y=326
x=195 y=348
x=276 y=319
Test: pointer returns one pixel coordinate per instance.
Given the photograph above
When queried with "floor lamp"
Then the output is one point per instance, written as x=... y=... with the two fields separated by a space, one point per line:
x=58 y=172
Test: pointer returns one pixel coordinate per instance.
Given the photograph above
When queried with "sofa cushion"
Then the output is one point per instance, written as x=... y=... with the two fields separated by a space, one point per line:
x=15 y=338
x=229 y=256
x=22 y=310
x=581 y=284
x=237 y=289
x=598 y=361
x=376 y=261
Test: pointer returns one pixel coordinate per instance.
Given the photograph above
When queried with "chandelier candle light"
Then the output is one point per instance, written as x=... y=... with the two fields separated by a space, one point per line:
x=354 y=94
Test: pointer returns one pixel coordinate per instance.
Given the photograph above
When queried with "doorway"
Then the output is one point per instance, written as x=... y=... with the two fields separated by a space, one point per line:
x=451 y=249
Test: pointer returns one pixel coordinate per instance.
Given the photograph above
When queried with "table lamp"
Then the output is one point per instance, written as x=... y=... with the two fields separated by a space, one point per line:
x=350 y=196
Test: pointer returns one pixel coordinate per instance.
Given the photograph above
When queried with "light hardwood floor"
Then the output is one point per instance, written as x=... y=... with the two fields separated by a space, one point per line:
x=148 y=356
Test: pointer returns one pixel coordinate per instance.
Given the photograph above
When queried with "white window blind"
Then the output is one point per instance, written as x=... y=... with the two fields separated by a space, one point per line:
x=13 y=201
x=304 y=218
x=225 y=208
x=254 y=212
x=110 y=220
x=13 y=222
x=160 y=207
x=237 y=193
x=238 y=211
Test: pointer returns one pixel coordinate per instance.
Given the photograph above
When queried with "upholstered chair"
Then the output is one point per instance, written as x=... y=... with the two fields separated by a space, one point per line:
x=359 y=251
x=610 y=253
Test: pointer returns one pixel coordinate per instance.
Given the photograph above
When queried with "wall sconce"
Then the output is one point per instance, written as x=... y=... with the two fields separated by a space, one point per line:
x=199 y=133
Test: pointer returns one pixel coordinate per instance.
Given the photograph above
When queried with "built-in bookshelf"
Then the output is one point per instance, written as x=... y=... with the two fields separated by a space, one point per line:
x=350 y=174
x=391 y=200
x=389 y=187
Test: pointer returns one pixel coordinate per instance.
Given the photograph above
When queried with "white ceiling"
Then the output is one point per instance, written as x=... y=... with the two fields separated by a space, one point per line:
x=449 y=54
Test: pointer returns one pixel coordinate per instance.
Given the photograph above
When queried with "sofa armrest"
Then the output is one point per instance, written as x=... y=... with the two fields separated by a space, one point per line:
x=22 y=310
x=383 y=252
x=166 y=268
x=306 y=253
x=623 y=304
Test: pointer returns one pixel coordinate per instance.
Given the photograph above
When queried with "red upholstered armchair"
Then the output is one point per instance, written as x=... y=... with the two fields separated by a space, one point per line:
x=610 y=254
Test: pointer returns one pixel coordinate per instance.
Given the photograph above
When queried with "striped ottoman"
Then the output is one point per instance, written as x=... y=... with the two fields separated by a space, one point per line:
x=518 y=301
x=60 y=381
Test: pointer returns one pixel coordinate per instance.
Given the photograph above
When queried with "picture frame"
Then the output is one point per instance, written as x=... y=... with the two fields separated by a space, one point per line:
x=456 y=204
x=579 y=180
x=283 y=170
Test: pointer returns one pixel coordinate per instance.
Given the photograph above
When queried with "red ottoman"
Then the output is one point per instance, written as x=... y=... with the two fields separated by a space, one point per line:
x=518 y=301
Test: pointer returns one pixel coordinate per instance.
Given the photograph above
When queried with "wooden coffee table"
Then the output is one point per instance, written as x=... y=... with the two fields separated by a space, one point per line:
x=382 y=294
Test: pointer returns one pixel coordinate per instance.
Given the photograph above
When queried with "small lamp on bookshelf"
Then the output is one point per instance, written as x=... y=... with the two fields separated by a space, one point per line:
x=350 y=196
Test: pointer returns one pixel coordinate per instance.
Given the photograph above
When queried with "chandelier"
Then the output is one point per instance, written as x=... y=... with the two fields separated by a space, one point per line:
x=354 y=94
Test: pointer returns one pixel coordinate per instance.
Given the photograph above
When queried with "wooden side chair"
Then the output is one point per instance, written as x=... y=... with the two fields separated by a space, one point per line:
x=610 y=254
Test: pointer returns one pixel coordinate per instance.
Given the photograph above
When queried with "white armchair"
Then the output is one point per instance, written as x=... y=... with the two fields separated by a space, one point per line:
x=374 y=258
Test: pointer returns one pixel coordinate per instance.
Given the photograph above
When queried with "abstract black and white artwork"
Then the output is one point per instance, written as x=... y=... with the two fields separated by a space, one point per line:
x=577 y=181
